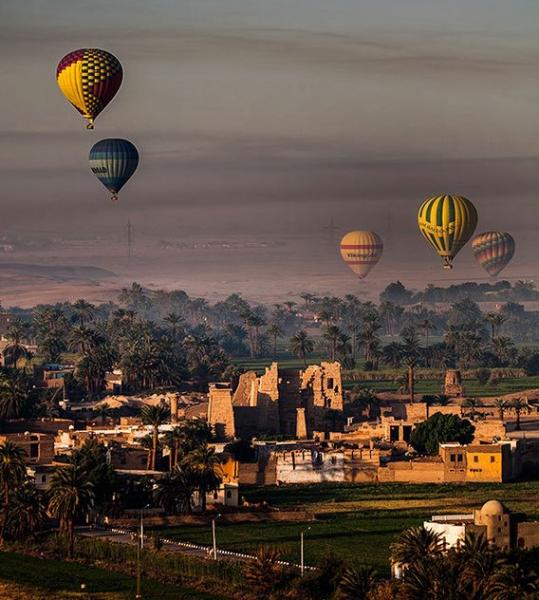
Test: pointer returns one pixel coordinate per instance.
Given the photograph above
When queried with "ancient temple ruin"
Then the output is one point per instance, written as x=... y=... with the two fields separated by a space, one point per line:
x=295 y=402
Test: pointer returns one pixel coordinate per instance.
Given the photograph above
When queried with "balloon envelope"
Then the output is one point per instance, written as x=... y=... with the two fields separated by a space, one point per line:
x=89 y=78
x=447 y=223
x=361 y=251
x=113 y=161
x=493 y=250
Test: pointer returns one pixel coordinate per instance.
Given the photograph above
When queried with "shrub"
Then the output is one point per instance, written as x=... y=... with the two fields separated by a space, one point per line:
x=483 y=376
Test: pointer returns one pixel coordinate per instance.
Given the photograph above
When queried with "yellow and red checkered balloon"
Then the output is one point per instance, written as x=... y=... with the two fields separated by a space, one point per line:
x=89 y=78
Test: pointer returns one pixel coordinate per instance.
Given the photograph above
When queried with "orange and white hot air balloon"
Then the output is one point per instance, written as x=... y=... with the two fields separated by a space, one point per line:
x=361 y=251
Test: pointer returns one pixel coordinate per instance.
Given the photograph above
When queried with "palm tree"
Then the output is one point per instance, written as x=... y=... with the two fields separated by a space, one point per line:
x=392 y=354
x=435 y=578
x=16 y=393
x=427 y=325
x=503 y=348
x=104 y=412
x=410 y=352
x=207 y=471
x=275 y=332
x=84 y=311
x=518 y=405
x=496 y=320
x=513 y=582
x=502 y=406
x=81 y=338
x=12 y=474
x=356 y=583
x=27 y=512
x=332 y=335
x=264 y=575
x=154 y=416
x=174 y=320
x=71 y=496
x=414 y=545
x=175 y=490
x=15 y=333
x=301 y=345
x=479 y=561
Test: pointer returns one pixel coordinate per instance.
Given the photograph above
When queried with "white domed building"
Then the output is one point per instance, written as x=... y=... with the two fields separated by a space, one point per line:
x=493 y=520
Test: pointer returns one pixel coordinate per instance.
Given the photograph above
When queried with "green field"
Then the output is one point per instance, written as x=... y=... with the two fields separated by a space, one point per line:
x=358 y=538
x=472 y=387
x=58 y=578
x=355 y=522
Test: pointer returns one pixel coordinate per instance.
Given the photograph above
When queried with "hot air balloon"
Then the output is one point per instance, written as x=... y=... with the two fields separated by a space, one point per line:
x=89 y=78
x=113 y=161
x=447 y=223
x=361 y=251
x=493 y=250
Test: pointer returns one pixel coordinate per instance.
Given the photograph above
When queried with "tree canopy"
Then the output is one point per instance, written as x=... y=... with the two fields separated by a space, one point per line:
x=441 y=428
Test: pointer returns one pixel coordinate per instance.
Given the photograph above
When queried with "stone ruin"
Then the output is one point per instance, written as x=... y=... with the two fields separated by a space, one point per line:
x=292 y=402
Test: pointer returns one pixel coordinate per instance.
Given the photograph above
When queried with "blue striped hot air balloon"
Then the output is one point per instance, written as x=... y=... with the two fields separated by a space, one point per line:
x=113 y=161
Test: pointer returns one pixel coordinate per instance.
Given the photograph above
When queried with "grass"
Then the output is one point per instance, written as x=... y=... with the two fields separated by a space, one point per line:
x=358 y=538
x=286 y=361
x=63 y=579
x=472 y=387
x=357 y=522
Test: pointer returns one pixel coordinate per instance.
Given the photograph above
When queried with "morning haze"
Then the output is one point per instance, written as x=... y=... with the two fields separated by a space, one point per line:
x=257 y=123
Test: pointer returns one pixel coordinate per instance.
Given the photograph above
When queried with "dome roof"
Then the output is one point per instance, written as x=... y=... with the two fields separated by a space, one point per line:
x=491 y=508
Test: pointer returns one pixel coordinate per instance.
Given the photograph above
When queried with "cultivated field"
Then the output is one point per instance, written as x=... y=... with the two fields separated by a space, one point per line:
x=356 y=522
x=24 y=577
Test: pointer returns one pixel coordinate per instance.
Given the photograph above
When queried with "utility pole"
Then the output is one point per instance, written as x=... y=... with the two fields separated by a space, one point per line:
x=214 y=536
x=302 y=553
x=139 y=544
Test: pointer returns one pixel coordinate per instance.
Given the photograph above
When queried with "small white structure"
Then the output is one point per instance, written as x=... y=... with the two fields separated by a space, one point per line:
x=227 y=494
x=451 y=528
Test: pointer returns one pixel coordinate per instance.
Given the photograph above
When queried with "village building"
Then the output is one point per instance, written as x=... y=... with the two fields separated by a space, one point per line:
x=501 y=528
x=38 y=447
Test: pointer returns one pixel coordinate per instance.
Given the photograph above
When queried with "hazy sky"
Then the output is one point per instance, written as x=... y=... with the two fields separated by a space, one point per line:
x=273 y=115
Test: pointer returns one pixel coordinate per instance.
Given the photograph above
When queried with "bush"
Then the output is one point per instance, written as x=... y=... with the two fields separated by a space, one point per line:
x=483 y=376
x=441 y=428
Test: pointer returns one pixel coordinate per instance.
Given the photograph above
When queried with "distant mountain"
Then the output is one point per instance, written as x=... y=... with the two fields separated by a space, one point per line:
x=57 y=272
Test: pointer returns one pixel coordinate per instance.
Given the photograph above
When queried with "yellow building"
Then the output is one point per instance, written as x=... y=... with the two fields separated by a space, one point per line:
x=489 y=462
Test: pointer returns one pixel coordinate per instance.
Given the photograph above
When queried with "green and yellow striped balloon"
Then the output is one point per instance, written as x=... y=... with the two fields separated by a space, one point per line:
x=447 y=223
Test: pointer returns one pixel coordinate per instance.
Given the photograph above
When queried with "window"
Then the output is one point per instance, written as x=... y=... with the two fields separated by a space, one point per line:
x=453 y=457
x=330 y=382
x=492 y=459
x=43 y=478
x=460 y=457
x=476 y=458
x=34 y=450
x=228 y=494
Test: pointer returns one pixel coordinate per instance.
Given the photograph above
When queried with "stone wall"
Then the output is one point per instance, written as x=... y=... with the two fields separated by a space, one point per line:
x=412 y=472
x=220 y=411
